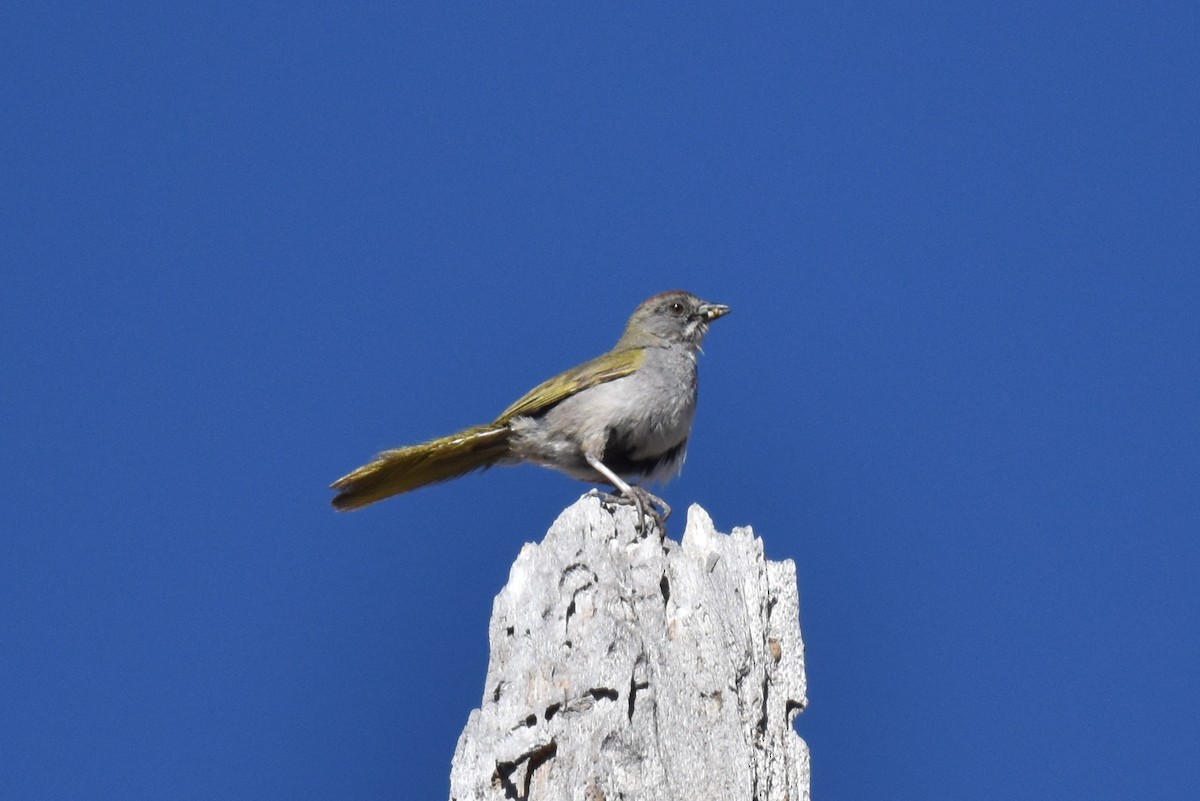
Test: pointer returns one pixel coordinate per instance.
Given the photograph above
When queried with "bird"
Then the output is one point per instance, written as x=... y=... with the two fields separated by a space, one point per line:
x=620 y=418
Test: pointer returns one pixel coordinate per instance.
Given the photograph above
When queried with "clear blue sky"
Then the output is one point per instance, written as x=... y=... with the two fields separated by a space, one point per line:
x=246 y=245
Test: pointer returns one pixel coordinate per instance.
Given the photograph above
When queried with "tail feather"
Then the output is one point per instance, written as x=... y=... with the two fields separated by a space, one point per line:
x=404 y=469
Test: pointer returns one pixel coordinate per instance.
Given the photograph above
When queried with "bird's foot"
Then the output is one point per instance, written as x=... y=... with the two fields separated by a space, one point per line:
x=644 y=501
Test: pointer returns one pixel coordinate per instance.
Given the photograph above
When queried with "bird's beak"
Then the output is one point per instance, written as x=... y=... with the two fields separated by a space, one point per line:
x=712 y=311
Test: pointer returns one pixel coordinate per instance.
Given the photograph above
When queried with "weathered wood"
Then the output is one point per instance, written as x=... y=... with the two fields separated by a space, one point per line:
x=630 y=667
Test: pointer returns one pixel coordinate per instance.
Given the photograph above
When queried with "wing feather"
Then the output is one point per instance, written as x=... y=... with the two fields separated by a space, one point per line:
x=610 y=366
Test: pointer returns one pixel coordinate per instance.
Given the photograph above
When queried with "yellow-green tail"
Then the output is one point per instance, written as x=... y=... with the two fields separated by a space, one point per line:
x=406 y=469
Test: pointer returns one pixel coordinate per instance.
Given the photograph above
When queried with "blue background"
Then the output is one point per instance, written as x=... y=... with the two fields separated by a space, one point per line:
x=246 y=245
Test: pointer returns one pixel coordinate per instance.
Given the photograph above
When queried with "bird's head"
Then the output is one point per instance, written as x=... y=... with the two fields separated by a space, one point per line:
x=671 y=317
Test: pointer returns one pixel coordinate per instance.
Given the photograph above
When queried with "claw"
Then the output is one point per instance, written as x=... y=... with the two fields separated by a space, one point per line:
x=642 y=500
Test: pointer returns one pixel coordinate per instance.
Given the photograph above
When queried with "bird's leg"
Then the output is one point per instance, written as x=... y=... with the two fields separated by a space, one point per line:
x=638 y=496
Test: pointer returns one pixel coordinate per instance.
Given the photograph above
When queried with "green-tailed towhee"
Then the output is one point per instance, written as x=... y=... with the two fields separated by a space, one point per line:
x=622 y=416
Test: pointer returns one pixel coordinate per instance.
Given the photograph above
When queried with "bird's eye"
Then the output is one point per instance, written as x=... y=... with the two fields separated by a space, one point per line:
x=676 y=308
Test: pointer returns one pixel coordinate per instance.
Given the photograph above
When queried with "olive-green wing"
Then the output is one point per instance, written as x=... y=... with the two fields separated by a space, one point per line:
x=608 y=367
